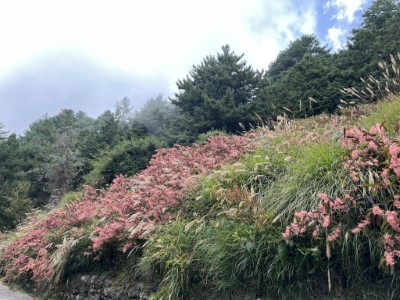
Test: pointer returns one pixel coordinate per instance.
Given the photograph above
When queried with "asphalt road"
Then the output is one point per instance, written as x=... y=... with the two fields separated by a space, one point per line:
x=7 y=294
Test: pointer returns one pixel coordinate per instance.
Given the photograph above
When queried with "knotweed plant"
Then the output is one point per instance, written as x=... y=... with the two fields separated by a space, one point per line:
x=117 y=218
x=372 y=203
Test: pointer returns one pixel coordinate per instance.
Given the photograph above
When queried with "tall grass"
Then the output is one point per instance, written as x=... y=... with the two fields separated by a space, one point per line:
x=386 y=112
x=229 y=241
x=169 y=260
x=247 y=177
x=311 y=168
x=221 y=257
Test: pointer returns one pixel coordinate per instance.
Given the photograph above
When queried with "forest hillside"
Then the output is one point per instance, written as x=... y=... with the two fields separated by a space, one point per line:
x=275 y=184
x=309 y=208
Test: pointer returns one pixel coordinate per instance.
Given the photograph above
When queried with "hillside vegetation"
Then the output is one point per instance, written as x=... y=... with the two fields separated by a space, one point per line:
x=310 y=207
x=222 y=93
x=304 y=205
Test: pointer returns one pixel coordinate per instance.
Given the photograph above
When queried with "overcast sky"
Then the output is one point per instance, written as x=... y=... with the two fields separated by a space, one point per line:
x=86 y=55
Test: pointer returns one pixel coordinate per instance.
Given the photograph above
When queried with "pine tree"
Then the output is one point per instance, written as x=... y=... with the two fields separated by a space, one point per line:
x=218 y=93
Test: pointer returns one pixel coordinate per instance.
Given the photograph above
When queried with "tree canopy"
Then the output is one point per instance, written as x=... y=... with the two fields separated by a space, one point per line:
x=218 y=93
x=293 y=54
x=374 y=41
x=157 y=114
x=302 y=81
x=2 y=131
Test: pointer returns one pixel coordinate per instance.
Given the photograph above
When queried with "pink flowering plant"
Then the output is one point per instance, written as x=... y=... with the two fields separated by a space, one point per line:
x=372 y=203
x=121 y=216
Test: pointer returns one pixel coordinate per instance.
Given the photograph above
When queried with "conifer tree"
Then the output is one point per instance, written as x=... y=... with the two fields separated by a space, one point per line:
x=218 y=93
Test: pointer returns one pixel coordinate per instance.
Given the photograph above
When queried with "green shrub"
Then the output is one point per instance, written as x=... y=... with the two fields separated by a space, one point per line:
x=69 y=198
x=201 y=138
x=127 y=158
x=15 y=205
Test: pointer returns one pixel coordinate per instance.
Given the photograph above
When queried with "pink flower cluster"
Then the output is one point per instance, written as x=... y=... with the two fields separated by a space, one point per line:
x=20 y=262
x=163 y=184
x=321 y=221
x=375 y=154
x=369 y=150
x=128 y=211
x=394 y=151
x=391 y=240
x=361 y=226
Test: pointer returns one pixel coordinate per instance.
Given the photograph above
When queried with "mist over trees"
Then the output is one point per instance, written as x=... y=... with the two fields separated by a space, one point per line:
x=63 y=152
x=158 y=116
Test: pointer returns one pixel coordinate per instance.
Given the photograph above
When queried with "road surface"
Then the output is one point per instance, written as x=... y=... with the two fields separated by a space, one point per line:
x=7 y=294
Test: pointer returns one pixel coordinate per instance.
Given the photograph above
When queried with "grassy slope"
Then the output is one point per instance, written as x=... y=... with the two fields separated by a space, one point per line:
x=226 y=238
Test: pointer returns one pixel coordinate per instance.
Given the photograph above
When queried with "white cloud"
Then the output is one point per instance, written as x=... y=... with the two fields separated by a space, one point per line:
x=156 y=41
x=335 y=35
x=149 y=36
x=346 y=8
x=274 y=24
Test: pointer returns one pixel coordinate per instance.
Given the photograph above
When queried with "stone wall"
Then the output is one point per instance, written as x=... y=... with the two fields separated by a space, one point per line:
x=96 y=287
